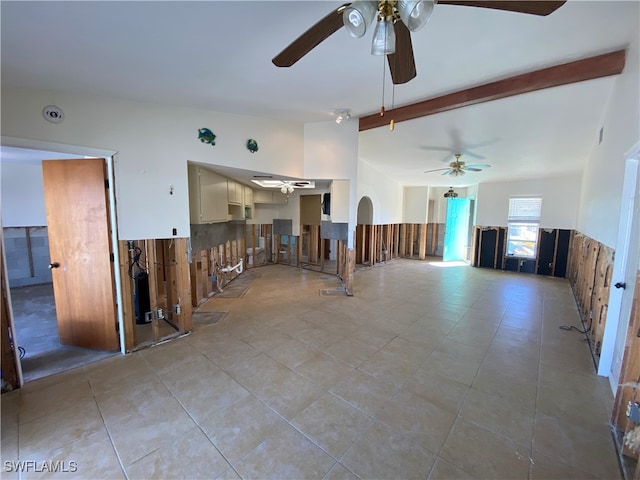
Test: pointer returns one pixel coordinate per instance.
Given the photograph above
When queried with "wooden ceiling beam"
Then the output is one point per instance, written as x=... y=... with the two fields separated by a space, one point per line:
x=572 y=72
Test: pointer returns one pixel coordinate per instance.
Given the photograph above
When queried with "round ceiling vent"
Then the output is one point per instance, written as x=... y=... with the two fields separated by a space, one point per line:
x=53 y=114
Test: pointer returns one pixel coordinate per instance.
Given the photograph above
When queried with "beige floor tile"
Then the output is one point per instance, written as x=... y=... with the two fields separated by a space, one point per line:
x=9 y=408
x=318 y=337
x=241 y=427
x=125 y=402
x=409 y=349
x=168 y=355
x=561 y=405
x=451 y=366
x=364 y=391
x=58 y=395
x=339 y=472
x=39 y=438
x=438 y=390
x=190 y=455
x=443 y=470
x=267 y=339
x=419 y=420
x=202 y=388
x=515 y=389
x=352 y=350
x=547 y=468
x=136 y=437
x=514 y=420
x=287 y=454
x=383 y=453
x=375 y=336
x=323 y=370
x=92 y=456
x=292 y=353
x=225 y=351
x=284 y=353
x=118 y=372
x=278 y=386
x=485 y=454
x=587 y=449
x=331 y=423
x=390 y=367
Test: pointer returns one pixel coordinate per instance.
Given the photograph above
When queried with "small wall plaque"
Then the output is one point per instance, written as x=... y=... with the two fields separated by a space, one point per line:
x=207 y=136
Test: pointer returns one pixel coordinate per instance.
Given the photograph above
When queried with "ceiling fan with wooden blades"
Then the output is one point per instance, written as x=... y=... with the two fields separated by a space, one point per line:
x=395 y=20
x=458 y=168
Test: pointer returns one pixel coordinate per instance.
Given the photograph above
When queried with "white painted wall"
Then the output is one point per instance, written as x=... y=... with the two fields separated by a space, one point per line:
x=331 y=152
x=599 y=208
x=416 y=204
x=154 y=144
x=559 y=200
x=386 y=194
x=22 y=195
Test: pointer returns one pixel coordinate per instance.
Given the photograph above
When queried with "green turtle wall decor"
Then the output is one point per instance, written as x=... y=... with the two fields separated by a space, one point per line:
x=207 y=136
x=252 y=145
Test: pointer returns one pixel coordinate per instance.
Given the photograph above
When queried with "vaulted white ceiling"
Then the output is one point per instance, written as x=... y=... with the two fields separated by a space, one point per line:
x=217 y=55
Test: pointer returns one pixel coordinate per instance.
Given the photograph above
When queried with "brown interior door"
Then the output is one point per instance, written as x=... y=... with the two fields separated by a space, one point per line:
x=76 y=201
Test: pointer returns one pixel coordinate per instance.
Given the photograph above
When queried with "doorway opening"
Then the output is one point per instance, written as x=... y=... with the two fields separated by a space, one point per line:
x=456 y=237
x=26 y=235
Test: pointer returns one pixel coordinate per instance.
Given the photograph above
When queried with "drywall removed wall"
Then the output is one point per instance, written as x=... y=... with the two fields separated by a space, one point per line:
x=559 y=200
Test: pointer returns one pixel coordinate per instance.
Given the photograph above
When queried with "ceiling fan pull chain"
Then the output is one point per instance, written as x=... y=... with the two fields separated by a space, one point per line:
x=393 y=102
x=384 y=59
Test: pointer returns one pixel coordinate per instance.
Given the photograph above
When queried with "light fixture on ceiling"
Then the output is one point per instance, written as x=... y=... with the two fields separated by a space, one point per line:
x=450 y=193
x=360 y=14
x=286 y=188
x=342 y=114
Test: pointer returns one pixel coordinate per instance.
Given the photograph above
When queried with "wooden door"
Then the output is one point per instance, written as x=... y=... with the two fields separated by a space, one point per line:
x=77 y=208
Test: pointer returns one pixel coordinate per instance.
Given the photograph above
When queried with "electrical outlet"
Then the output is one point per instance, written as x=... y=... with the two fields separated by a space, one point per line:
x=633 y=411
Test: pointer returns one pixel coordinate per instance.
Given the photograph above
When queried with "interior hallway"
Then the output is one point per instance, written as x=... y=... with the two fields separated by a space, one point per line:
x=427 y=372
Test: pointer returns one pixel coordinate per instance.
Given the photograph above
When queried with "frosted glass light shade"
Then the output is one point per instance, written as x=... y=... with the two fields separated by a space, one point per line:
x=358 y=16
x=384 y=38
x=415 y=13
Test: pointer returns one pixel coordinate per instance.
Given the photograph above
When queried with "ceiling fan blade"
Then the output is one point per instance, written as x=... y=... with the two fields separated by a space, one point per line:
x=532 y=7
x=471 y=169
x=448 y=172
x=311 y=38
x=478 y=166
x=436 y=170
x=402 y=64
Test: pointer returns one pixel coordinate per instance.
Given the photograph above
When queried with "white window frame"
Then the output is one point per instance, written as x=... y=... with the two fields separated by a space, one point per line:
x=523 y=226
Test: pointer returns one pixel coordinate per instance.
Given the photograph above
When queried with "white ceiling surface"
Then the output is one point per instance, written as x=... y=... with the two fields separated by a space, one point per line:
x=217 y=55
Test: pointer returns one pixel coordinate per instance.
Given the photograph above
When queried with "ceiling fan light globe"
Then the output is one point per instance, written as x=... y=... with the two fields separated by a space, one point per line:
x=384 y=38
x=415 y=13
x=358 y=16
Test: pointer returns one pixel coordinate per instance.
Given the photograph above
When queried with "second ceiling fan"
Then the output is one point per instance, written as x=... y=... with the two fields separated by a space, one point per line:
x=458 y=168
x=395 y=20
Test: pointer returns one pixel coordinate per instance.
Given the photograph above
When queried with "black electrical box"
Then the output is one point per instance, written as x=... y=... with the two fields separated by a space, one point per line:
x=141 y=301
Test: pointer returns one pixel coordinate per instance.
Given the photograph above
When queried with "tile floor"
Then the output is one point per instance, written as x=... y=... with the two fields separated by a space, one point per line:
x=427 y=372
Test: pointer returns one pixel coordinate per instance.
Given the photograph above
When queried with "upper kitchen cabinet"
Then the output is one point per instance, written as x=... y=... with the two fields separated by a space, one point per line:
x=207 y=196
x=234 y=192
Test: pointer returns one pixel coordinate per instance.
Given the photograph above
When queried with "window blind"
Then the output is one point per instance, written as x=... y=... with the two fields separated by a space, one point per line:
x=524 y=209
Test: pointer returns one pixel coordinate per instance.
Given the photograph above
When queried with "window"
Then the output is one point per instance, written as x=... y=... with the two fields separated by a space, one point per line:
x=524 y=221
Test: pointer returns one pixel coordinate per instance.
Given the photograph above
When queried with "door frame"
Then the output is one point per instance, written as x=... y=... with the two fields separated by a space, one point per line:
x=108 y=155
x=619 y=310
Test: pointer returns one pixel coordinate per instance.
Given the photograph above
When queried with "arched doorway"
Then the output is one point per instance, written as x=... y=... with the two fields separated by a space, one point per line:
x=365 y=218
